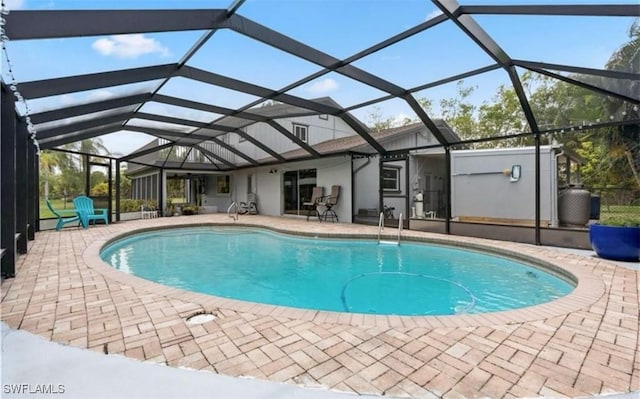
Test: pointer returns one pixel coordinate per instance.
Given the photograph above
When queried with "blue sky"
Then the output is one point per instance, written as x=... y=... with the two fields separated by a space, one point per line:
x=340 y=28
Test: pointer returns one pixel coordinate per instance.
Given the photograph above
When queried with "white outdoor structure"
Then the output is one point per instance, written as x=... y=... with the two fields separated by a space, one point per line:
x=483 y=188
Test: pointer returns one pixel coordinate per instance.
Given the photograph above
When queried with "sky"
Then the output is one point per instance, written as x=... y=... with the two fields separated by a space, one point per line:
x=339 y=28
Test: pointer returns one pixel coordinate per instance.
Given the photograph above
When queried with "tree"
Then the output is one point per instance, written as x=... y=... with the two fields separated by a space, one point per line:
x=460 y=113
x=49 y=165
x=377 y=122
x=100 y=189
x=624 y=141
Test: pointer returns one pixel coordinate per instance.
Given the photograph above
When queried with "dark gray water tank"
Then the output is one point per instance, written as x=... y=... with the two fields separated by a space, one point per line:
x=574 y=206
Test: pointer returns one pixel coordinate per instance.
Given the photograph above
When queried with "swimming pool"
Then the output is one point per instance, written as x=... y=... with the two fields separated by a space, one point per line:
x=337 y=275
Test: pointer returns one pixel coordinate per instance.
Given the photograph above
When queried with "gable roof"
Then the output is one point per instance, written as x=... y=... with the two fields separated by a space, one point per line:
x=358 y=144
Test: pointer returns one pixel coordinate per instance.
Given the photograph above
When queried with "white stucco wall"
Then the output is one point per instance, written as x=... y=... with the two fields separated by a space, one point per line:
x=493 y=195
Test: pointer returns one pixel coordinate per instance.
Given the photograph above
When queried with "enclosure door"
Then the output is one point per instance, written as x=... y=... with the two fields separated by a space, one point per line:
x=298 y=186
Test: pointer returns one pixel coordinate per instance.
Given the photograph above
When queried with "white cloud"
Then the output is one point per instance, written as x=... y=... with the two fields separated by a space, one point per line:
x=323 y=86
x=433 y=14
x=129 y=46
x=100 y=95
x=13 y=4
x=400 y=120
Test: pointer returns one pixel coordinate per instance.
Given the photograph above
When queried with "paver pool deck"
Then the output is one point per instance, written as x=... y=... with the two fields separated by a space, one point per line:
x=583 y=344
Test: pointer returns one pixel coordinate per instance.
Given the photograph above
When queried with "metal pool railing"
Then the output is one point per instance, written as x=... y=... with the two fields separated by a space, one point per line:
x=381 y=227
x=233 y=216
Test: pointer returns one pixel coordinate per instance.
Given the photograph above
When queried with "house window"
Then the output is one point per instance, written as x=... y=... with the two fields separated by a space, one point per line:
x=391 y=179
x=223 y=184
x=324 y=116
x=300 y=131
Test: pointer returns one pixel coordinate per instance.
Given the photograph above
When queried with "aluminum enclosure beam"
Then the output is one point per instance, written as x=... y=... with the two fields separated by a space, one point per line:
x=89 y=108
x=258 y=144
x=234 y=150
x=70 y=84
x=83 y=125
x=78 y=23
x=233 y=84
x=284 y=131
x=207 y=107
x=214 y=156
x=606 y=73
x=277 y=40
x=248 y=88
x=163 y=133
x=588 y=86
x=583 y=10
x=145 y=152
x=71 y=138
x=469 y=26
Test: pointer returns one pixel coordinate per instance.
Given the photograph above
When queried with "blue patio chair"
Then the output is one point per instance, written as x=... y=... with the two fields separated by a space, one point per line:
x=62 y=220
x=84 y=207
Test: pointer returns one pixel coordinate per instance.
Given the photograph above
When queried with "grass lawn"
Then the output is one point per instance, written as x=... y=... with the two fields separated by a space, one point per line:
x=630 y=213
x=65 y=209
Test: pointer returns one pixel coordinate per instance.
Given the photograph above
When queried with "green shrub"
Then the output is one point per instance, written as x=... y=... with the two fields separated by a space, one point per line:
x=135 y=205
x=130 y=205
x=189 y=210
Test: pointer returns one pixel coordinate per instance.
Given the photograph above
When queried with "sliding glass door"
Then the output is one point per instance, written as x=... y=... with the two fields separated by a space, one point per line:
x=298 y=186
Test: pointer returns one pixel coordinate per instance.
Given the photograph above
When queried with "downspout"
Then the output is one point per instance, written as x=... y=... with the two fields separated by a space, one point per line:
x=353 y=184
x=362 y=166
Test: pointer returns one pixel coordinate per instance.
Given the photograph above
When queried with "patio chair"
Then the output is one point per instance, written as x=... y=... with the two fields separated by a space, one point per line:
x=84 y=207
x=329 y=202
x=316 y=197
x=62 y=220
x=250 y=206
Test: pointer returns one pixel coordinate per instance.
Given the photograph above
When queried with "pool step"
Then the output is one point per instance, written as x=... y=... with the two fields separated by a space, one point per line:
x=389 y=242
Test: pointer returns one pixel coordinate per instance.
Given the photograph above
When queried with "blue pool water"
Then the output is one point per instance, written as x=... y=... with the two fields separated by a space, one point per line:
x=338 y=275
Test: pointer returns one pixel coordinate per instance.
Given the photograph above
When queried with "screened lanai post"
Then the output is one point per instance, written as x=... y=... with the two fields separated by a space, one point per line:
x=407 y=206
x=8 y=178
x=33 y=192
x=537 y=183
x=161 y=190
x=447 y=166
x=87 y=175
x=22 y=191
x=110 y=190
x=117 y=190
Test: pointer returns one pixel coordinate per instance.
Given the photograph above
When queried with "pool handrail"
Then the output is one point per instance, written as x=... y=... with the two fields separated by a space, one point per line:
x=233 y=216
x=380 y=225
x=400 y=226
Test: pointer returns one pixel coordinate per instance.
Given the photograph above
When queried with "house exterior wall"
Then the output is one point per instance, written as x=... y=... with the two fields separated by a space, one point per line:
x=269 y=186
x=319 y=130
x=211 y=198
x=408 y=141
x=366 y=184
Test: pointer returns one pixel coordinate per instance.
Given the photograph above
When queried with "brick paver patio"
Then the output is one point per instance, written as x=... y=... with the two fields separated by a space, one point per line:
x=580 y=345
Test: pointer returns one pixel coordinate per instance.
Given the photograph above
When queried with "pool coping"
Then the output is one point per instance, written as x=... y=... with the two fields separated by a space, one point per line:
x=588 y=290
